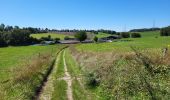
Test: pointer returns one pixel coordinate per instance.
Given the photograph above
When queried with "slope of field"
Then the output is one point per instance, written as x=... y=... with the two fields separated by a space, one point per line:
x=53 y=35
x=148 y=40
x=101 y=35
x=22 y=69
x=117 y=71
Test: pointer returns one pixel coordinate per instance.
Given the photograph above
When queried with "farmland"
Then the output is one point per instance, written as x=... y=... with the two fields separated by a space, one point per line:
x=53 y=35
x=149 y=40
x=87 y=71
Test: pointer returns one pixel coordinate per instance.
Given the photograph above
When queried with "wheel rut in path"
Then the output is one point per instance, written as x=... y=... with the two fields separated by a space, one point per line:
x=68 y=80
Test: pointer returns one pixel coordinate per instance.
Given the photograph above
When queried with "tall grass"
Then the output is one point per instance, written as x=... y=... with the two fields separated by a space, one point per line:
x=60 y=88
x=140 y=74
x=28 y=76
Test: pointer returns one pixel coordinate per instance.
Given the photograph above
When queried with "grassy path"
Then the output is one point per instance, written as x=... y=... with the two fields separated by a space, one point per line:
x=48 y=88
x=68 y=79
x=65 y=81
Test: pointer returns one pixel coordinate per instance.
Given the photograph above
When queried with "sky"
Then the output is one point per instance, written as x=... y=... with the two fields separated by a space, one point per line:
x=118 y=15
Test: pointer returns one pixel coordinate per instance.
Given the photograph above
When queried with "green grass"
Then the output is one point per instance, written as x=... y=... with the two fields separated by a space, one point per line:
x=101 y=35
x=78 y=91
x=12 y=57
x=148 y=41
x=60 y=67
x=23 y=68
x=73 y=68
x=53 y=35
x=60 y=88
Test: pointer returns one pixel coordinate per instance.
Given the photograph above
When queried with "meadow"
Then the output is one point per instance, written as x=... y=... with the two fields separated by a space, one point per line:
x=53 y=35
x=131 y=69
x=22 y=69
x=149 y=40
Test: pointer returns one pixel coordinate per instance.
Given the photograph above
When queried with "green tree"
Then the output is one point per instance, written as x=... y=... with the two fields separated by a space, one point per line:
x=165 y=31
x=81 y=36
x=95 y=39
x=2 y=27
x=2 y=39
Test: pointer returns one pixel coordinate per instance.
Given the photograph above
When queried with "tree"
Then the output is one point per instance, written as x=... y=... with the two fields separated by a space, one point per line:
x=95 y=39
x=165 y=31
x=2 y=27
x=2 y=39
x=8 y=28
x=81 y=36
x=135 y=35
x=125 y=35
x=19 y=37
x=16 y=27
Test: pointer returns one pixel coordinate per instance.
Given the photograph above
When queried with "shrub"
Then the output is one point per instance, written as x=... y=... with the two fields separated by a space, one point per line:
x=91 y=80
x=95 y=39
x=135 y=35
x=66 y=38
x=81 y=36
x=56 y=40
x=125 y=35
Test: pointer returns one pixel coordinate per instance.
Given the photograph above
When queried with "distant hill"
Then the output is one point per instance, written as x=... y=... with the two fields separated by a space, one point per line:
x=145 y=29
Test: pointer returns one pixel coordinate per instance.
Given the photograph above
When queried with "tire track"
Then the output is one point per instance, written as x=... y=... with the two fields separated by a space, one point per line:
x=68 y=79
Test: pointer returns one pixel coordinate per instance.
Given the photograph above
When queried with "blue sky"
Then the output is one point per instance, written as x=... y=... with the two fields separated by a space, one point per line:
x=85 y=14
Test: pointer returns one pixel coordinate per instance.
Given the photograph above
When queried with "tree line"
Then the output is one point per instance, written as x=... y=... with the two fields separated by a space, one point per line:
x=76 y=30
x=165 y=31
x=16 y=36
x=145 y=29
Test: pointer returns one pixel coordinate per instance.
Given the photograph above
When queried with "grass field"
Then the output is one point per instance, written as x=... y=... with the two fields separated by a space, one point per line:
x=23 y=68
x=149 y=40
x=126 y=73
x=53 y=35
x=101 y=35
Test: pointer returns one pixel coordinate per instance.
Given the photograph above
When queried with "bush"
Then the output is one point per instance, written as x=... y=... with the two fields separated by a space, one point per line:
x=125 y=35
x=91 y=80
x=81 y=36
x=95 y=39
x=57 y=40
x=135 y=35
x=66 y=38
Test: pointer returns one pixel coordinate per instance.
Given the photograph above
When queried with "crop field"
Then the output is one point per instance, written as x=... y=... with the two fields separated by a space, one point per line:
x=53 y=35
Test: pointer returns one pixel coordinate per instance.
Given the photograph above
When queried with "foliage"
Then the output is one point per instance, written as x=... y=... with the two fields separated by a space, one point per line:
x=3 y=41
x=165 y=31
x=16 y=37
x=125 y=35
x=81 y=36
x=145 y=30
x=66 y=38
x=95 y=39
x=135 y=35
